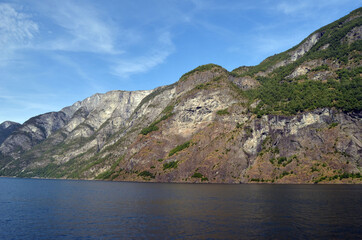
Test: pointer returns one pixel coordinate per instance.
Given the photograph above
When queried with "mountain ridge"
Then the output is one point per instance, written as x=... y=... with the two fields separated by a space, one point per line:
x=294 y=118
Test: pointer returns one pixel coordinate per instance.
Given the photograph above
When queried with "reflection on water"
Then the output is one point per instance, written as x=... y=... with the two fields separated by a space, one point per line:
x=58 y=209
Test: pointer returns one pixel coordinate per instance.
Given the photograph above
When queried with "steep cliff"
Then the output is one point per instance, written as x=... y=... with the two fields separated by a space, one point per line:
x=37 y=142
x=6 y=129
x=294 y=118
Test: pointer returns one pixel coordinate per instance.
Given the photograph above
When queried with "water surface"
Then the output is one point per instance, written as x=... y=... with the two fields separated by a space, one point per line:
x=62 y=209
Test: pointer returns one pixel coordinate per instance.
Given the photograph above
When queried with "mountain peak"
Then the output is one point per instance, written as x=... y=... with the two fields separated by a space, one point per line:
x=6 y=129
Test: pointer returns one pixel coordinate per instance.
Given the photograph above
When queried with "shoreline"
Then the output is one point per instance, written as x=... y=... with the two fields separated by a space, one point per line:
x=190 y=183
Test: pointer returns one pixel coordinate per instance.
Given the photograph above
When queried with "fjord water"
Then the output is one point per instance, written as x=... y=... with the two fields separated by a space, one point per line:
x=62 y=209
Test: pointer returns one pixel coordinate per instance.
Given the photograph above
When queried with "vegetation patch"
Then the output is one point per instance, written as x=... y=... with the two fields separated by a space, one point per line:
x=167 y=113
x=202 y=86
x=104 y=175
x=285 y=173
x=49 y=170
x=152 y=95
x=172 y=164
x=168 y=109
x=332 y=125
x=323 y=67
x=146 y=174
x=201 y=68
x=291 y=98
x=282 y=96
x=261 y=180
x=204 y=179
x=340 y=177
x=284 y=161
x=107 y=174
x=281 y=160
x=149 y=129
x=274 y=150
x=223 y=112
x=248 y=131
x=179 y=148
x=314 y=169
x=199 y=175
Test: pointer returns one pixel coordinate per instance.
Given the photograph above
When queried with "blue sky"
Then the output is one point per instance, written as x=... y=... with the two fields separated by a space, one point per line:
x=54 y=53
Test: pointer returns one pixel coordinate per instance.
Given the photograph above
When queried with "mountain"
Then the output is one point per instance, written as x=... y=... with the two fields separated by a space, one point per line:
x=6 y=129
x=294 y=118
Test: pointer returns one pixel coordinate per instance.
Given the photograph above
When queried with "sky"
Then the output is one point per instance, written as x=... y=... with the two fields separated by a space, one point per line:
x=54 y=53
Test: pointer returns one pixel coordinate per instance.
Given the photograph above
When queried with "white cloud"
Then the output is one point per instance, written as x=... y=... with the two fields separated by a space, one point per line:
x=306 y=6
x=292 y=7
x=126 y=67
x=15 y=27
x=58 y=29
x=78 y=28
x=16 y=32
x=83 y=29
x=86 y=30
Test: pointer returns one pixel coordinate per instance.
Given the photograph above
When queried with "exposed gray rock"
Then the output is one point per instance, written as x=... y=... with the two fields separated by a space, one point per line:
x=305 y=47
x=81 y=119
x=32 y=132
x=323 y=75
x=7 y=128
x=354 y=35
x=299 y=52
x=324 y=47
x=351 y=18
x=291 y=133
x=299 y=71
x=244 y=82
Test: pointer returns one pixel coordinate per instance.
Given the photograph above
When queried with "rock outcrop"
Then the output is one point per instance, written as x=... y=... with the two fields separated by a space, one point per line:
x=6 y=129
x=354 y=35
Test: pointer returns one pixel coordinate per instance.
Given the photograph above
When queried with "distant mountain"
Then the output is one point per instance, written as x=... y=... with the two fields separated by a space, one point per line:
x=7 y=128
x=294 y=118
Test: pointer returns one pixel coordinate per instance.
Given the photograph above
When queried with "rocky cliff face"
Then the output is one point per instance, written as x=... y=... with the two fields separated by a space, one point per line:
x=32 y=132
x=50 y=131
x=6 y=129
x=213 y=125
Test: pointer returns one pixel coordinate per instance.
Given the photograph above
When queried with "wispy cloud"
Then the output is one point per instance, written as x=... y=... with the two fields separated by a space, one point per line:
x=231 y=5
x=22 y=101
x=292 y=7
x=77 y=68
x=16 y=32
x=82 y=29
x=15 y=27
x=126 y=67
x=306 y=6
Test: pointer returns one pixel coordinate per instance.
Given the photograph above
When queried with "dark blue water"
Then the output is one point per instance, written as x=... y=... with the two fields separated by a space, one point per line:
x=61 y=209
